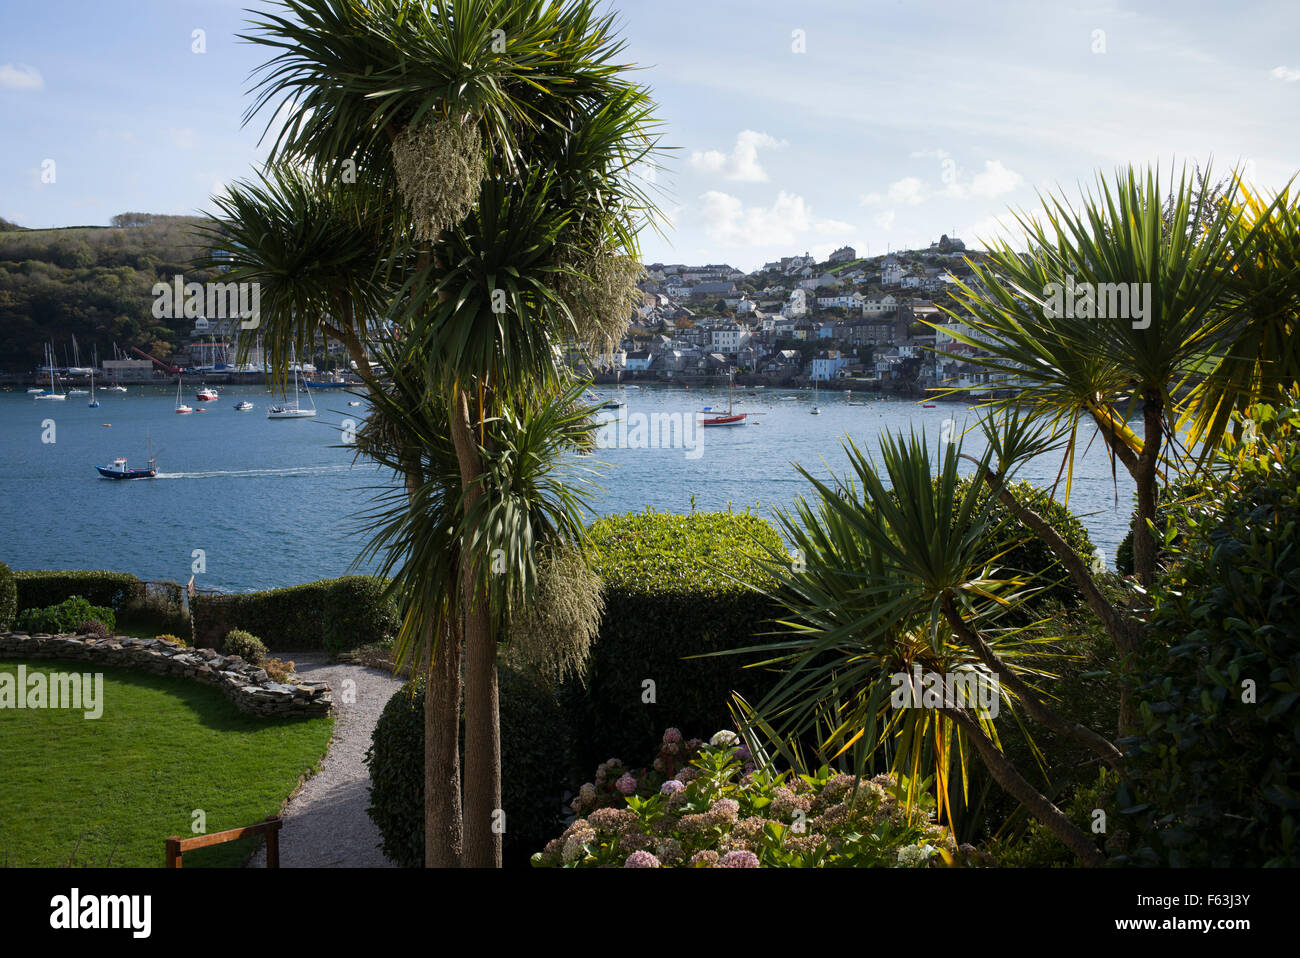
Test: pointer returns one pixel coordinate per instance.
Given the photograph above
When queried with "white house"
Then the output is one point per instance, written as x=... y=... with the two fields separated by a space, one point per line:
x=825 y=365
x=797 y=304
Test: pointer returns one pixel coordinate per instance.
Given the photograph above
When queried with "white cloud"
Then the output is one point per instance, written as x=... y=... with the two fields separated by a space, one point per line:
x=1285 y=74
x=729 y=222
x=742 y=164
x=21 y=77
x=909 y=191
x=995 y=180
x=183 y=138
x=884 y=220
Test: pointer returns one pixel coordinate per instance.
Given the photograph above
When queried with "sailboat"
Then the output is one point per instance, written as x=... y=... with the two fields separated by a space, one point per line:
x=94 y=403
x=816 y=409
x=49 y=359
x=731 y=418
x=180 y=403
x=292 y=410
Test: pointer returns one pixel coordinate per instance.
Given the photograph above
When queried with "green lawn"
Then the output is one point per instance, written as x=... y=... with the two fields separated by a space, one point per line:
x=120 y=784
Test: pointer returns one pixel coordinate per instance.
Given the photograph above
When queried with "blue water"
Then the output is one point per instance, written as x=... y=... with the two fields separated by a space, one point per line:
x=274 y=503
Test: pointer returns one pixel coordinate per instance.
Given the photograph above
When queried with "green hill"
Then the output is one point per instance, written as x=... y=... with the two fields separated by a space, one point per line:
x=92 y=282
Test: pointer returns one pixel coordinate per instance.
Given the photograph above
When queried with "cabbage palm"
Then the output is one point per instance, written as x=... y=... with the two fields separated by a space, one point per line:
x=509 y=132
x=1070 y=366
x=899 y=569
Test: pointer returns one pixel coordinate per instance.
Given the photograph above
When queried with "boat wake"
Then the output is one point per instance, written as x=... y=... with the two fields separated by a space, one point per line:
x=290 y=473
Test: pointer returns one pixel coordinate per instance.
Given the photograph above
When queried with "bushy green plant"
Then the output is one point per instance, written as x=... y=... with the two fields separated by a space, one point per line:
x=65 y=616
x=245 y=645
x=167 y=637
x=40 y=588
x=8 y=598
x=535 y=758
x=297 y=617
x=357 y=613
x=719 y=811
x=1213 y=769
x=669 y=594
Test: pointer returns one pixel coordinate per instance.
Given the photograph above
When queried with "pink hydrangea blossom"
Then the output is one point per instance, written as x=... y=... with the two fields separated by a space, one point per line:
x=738 y=859
x=626 y=784
x=641 y=859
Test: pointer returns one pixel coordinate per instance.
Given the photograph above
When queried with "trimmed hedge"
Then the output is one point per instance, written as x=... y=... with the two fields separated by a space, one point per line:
x=535 y=749
x=299 y=617
x=667 y=597
x=356 y=614
x=8 y=598
x=41 y=588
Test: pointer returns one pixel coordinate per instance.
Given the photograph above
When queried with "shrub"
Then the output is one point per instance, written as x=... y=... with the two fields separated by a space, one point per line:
x=38 y=589
x=1213 y=768
x=534 y=766
x=669 y=595
x=278 y=670
x=166 y=637
x=297 y=617
x=90 y=627
x=160 y=606
x=718 y=811
x=248 y=647
x=1182 y=491
x=65 y=616
x=8 y=598
x=357 y=613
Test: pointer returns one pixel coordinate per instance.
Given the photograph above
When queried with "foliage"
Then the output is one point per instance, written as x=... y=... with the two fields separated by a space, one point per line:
x=278 y=670
x=671 y=593
x=296 y=617
x=356 y=612
x=166 y=637
x=64 y=616
x=94 y=284
x=8 y=598
x=248 y=647
x=1213 y=767
x=534 y=755
x=40 y=588
x=1037 y=847
x=92 y=627
x=719 y=811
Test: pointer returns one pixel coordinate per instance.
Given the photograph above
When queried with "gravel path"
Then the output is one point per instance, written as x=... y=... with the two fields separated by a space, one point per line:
x=325 y=823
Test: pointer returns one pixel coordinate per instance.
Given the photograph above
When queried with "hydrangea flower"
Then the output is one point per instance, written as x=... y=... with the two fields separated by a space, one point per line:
x=641 y=859
x=724 y=739
x=913 y=856
x=672 y=736
x=738 y=859
x=670 y=786
x=626 y=784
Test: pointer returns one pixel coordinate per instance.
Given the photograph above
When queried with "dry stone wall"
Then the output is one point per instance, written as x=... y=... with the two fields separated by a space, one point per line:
x=245 y=684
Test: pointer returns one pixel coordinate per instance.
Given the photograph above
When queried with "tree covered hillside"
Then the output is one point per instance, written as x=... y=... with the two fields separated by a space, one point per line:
x=93 y=283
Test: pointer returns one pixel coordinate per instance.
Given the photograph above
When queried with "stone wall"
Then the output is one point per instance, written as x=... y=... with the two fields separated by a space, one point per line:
x=245 y=684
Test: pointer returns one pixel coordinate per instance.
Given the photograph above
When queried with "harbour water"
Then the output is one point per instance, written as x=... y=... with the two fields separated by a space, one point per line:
x=274 y=503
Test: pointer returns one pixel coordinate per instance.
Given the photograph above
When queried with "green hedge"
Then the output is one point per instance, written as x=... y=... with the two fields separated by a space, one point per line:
x=535 y=752
x=8 y=598
x=299 y=617
x=667 y=597
x=39 y=589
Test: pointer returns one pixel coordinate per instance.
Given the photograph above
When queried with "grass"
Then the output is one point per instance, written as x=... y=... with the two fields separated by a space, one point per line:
x=110 y=790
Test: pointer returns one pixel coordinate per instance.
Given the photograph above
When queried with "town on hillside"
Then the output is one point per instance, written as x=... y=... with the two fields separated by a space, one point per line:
x=850 y=323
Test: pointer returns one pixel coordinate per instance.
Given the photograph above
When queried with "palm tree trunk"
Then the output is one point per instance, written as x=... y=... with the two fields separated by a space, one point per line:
x=1037 y=710
x=443 y=836
x=1015 y=785
x=1144 y=544
x=482 y=719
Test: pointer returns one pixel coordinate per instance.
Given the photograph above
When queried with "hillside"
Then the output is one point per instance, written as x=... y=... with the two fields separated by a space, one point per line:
x=92 y=282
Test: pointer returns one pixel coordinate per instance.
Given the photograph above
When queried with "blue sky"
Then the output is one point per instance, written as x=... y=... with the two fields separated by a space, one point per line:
x=795 y=126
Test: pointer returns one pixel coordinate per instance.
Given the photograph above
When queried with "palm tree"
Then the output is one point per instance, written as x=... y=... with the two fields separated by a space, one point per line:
x=510 y=134
x=899 y=570
x=1097 y=362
